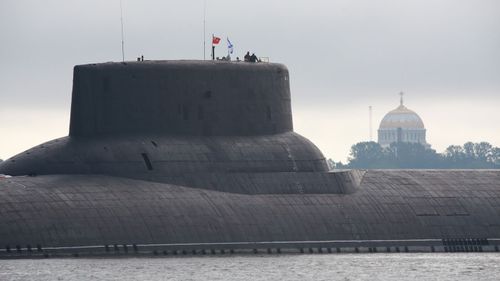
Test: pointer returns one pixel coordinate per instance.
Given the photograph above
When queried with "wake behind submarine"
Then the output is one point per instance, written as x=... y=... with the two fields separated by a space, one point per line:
x=200 y=157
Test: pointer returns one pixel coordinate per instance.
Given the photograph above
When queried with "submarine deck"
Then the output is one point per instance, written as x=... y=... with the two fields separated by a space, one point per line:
x=87 y=213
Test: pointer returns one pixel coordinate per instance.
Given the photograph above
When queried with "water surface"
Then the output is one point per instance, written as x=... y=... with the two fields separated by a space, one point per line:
x=393 y=266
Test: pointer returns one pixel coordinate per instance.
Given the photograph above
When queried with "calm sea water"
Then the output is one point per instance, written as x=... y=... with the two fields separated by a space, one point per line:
x=441 y=266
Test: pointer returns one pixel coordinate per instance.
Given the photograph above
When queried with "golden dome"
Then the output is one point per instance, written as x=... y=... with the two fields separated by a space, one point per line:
x=401 y=117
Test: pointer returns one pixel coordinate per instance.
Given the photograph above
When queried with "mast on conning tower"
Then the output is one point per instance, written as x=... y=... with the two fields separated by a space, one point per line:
x=121 y=22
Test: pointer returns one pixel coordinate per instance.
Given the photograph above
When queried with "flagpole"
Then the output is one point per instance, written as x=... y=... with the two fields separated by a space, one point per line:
x=213 y=47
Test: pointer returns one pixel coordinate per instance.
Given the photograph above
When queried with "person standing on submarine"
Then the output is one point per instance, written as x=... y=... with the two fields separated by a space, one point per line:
x=247 y=57
x=253 y=58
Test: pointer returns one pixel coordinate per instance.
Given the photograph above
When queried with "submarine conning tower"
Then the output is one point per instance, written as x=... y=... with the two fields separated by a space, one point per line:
x=197 y=98
x=209 y=124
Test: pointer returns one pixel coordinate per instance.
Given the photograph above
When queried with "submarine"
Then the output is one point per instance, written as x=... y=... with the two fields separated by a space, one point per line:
x=200 y=158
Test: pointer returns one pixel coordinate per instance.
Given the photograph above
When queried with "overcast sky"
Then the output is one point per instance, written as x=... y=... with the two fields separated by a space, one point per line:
x=342 y=55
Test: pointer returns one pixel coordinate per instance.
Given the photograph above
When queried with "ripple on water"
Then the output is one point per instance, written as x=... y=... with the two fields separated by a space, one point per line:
x=441 y=266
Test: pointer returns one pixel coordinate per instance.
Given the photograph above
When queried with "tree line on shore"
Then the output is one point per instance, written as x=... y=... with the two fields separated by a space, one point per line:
x=370 y=155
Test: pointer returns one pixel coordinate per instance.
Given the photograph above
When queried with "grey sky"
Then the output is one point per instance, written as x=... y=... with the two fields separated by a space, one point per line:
x=342 y=57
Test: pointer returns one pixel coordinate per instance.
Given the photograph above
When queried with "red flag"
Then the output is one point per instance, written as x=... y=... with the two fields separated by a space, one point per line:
x=215 y=40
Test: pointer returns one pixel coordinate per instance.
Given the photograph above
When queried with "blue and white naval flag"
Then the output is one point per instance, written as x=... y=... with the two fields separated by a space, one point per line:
x=230 y=48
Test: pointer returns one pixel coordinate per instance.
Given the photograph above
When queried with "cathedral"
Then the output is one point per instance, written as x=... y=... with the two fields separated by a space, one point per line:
x=401 y=125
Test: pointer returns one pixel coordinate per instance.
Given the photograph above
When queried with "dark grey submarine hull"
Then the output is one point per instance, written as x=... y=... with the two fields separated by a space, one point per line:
x=200 y=157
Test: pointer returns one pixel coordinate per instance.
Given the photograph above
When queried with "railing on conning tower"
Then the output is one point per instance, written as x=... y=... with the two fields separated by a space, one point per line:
x=259 y=59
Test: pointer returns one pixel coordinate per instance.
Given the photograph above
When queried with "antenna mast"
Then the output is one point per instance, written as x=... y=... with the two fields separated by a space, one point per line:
x=121 y=21
x=204 y=29
x=370 y=121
